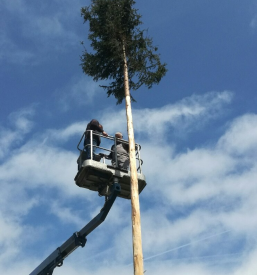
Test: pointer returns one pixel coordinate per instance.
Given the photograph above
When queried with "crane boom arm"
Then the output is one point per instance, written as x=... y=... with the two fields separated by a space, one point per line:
x=77 y=239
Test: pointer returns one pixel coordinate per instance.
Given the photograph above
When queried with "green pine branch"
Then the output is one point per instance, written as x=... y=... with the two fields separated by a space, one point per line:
x=112 y=24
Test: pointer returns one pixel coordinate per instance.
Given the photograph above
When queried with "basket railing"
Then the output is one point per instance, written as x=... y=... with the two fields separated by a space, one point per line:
x=100 y=156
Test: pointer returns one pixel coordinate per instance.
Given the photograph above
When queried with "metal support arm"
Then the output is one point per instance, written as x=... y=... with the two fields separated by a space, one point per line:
x=77 y=239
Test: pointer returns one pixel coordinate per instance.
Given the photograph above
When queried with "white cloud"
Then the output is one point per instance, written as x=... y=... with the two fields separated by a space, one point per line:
x=12 y=52
x=66 y=215
x=186 y=115
x=45 y=27
x=75 y=129
x=212 y=188
x=249 y=265
x=253 y=23
x=199 y=205
x=21 y=121
x=241 y=137
x=81 y=92
x=37 y=165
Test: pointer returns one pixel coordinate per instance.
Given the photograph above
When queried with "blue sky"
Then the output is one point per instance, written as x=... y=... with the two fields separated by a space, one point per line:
x=197 y=128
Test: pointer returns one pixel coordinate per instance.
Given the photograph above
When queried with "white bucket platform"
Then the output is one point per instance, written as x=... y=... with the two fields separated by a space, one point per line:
x=99 y=176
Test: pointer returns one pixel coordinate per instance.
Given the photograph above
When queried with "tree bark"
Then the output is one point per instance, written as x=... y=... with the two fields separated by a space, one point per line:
x=135 y=208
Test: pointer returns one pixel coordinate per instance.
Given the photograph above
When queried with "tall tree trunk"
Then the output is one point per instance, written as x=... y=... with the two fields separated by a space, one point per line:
x=135 y=208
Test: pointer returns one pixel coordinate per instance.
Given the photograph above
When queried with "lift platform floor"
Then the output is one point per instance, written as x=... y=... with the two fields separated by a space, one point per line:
x=94 y=175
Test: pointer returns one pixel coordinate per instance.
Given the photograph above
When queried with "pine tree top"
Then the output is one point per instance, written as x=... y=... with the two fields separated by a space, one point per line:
x=114 y=26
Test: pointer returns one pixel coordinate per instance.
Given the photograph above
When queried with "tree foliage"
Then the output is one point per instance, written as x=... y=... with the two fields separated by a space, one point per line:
x=114 y=26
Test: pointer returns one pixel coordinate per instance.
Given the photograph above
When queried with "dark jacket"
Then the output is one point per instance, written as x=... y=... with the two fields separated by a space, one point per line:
x=97 y=128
